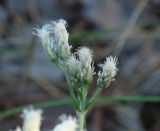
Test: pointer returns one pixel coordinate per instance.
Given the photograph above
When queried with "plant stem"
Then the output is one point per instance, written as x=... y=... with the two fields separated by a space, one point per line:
x=93 y=98
x=81 y=120
x=95 y=95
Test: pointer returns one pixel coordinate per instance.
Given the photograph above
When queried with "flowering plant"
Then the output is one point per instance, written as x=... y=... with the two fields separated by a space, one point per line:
x=78 y=69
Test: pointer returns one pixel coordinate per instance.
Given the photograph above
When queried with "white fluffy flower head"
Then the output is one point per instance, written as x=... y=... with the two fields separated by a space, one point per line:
x=81 y=69
x=109 y=70
x=68 y=123
x=110 y=66
x=54 y=38
x=32 y=119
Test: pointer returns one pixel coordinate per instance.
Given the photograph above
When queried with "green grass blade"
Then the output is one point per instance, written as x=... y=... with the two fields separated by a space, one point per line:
x=100 y=101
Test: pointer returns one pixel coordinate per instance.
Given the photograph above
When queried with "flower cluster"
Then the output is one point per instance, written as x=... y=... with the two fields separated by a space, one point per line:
x=81 y=69
x=79 y=66
x=78 y=69
x=54 y=38
x=32 y=121
x=109 y=70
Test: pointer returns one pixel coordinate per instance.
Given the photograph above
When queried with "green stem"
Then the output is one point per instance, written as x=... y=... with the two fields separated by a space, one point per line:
x=81 y=120
x=98 y=91
x=93 y=98
x=71 y=90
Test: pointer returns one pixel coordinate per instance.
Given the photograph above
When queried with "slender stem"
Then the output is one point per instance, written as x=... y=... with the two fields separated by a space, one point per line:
x=81 y=120
x=71 y=91
x=95 y=95
x=93 y=98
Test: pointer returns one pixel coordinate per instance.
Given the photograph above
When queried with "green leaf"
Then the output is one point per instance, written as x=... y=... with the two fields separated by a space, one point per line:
x=67 y=101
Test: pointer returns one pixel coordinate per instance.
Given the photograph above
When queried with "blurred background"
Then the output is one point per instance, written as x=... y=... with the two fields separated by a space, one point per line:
x=128 y=29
